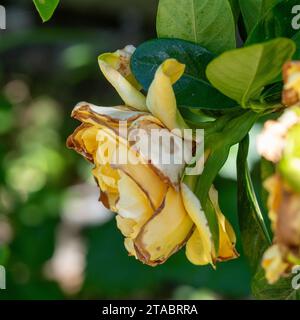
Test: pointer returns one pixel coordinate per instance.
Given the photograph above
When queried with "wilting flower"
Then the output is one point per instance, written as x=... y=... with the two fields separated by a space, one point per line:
x=156 y=211
x=291 y=78
x=284 y=212
x=279 y=143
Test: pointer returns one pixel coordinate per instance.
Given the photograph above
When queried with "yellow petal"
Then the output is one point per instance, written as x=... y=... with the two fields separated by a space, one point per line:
x=133 y=205
x=227 y=238
x=107 y=179
x=161 y=100
x=83 y=141
x=144 y=176
x=196 y=250
x=89 y=139
x=166 y=232
x=126 y=226
x=129 y=246
x=116 y=69
x=199 y=248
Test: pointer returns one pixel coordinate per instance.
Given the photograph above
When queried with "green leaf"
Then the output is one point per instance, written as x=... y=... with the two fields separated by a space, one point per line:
x=46 y=8
x=254 y=234
x=296 y=39
x=281 y=290
x=276 y=22
x=220 y=136
x=235 y=9
x=242 y=74
x=209 y=23
x=253 y=10
x=273 y=93
x=193 y=89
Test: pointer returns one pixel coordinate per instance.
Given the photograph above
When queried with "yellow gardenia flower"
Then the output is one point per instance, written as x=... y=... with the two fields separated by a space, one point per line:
x=156 y=212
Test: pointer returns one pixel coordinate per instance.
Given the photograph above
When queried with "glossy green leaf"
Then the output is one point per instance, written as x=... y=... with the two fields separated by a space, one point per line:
x=254 y=10
x=46 y=8
x=209 y=23
x=276 y=22
x=193 y=89
x=254 y=234
x=242 y=74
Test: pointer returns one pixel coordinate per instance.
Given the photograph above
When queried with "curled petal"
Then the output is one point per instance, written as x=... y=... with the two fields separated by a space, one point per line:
x=105 y=116
x=83 y=140
x=199 y=248
x=161 y=100
x=227 y=238
x=166 y=232
x=116 y=69
x=120 y=61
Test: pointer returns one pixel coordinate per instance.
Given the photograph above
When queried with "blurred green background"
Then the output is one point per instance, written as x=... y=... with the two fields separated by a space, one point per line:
x=56 y=240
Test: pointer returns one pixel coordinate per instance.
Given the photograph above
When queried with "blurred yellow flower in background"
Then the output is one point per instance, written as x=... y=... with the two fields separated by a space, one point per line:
x=278 y=143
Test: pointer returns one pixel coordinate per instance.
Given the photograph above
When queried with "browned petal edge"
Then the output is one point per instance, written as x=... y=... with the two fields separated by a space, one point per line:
x=235 y=256
x=81 y=107
x=142 y=254
x=289 y=97
x=72 y=143
x=79 y=114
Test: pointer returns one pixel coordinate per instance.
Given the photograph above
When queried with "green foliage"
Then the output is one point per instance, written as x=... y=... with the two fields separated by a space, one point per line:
x=254 y=10
x=200 y=21
x=235 y=9
x=254 y=234
x=46 y=8
x=275 y=22
x=219 y=81
x=281 y=290
x=193 y=89
x=242 y=74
